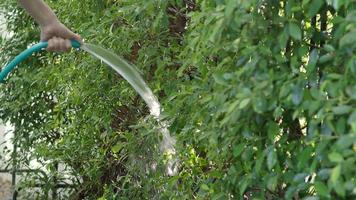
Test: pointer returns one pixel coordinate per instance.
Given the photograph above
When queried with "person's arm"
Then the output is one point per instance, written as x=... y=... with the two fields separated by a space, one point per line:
x=52 y=30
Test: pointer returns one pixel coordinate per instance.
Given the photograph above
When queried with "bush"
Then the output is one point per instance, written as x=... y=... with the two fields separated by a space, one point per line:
x=259 y=94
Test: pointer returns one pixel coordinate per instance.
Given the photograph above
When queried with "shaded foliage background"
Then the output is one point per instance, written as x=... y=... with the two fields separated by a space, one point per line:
x=260 y=95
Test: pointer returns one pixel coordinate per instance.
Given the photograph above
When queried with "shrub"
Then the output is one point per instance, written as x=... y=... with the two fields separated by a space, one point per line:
x=259 y=94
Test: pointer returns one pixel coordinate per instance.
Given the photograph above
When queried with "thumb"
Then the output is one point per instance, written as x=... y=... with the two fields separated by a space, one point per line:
x=68 y=34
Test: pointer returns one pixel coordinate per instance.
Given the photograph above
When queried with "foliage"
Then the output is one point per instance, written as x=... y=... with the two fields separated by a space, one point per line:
x=260 y=96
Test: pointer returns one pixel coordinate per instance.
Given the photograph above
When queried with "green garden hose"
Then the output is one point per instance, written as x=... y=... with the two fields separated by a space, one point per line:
x=25 y=54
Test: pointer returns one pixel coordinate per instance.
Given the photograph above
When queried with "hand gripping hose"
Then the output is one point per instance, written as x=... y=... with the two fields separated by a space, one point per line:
x=27 y=53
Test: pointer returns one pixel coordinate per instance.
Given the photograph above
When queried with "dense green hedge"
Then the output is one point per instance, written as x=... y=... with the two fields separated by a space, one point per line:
x=260 y=94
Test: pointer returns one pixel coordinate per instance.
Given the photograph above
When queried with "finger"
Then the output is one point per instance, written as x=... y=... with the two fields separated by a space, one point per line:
x=61 y=45
x=51 y=45
x=56 y=44
x=77 y=38
x=67 y=45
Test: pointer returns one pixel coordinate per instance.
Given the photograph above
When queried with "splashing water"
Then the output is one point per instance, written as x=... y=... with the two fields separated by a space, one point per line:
x=131 y=74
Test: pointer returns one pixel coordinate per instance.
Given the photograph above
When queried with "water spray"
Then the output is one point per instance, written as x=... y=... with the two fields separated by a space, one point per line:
x=129 y=73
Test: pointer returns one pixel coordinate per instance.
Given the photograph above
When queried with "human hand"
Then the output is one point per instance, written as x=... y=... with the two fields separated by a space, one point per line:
x=58 y=37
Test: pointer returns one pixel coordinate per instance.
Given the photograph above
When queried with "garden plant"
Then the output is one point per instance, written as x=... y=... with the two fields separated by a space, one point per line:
x=259 y=94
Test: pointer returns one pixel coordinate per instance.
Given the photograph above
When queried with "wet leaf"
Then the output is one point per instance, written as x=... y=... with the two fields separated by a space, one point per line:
x=294 y=31
x=342 y=109
x=271 y=159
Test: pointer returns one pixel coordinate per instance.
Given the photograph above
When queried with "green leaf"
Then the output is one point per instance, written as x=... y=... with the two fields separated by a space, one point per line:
x=277 y=113
x=230 y=7
x=219 y=196
x=300 y=177
x=342 y=109
x=259 y=163
x=232 y=106
x=329 y=48
x=345 y=141
x=313 y=59
x=272 y=130
x=205 y=187
x=349 y=38
x=335 y=76
x=338 y=3
x=340 y=189
x=315 y=7
x=321 y=189
x=216 y=31
x=341 y=126
x=305 y=2
x=238 y=149
x=118 y=146
x=272 y=183
x=335 y=157
x=352 y=119
x=219 y=78
x=290 y=193
x=271 y=158
x=243 y=184
x=259 y=105
x=335 y=174
x=326 y=58
x=216 y=174
x=244 y=103
x=324 y=174
x=283 y=38
x=297 y=94
x=311 y=198
x=304 y=156
x=294 y=31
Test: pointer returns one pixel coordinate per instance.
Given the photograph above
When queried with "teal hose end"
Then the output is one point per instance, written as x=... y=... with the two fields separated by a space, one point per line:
x=27 y=53
x=75 y=44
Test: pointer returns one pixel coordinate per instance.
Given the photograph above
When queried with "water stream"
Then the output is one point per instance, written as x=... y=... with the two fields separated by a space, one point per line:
x=131 y=74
